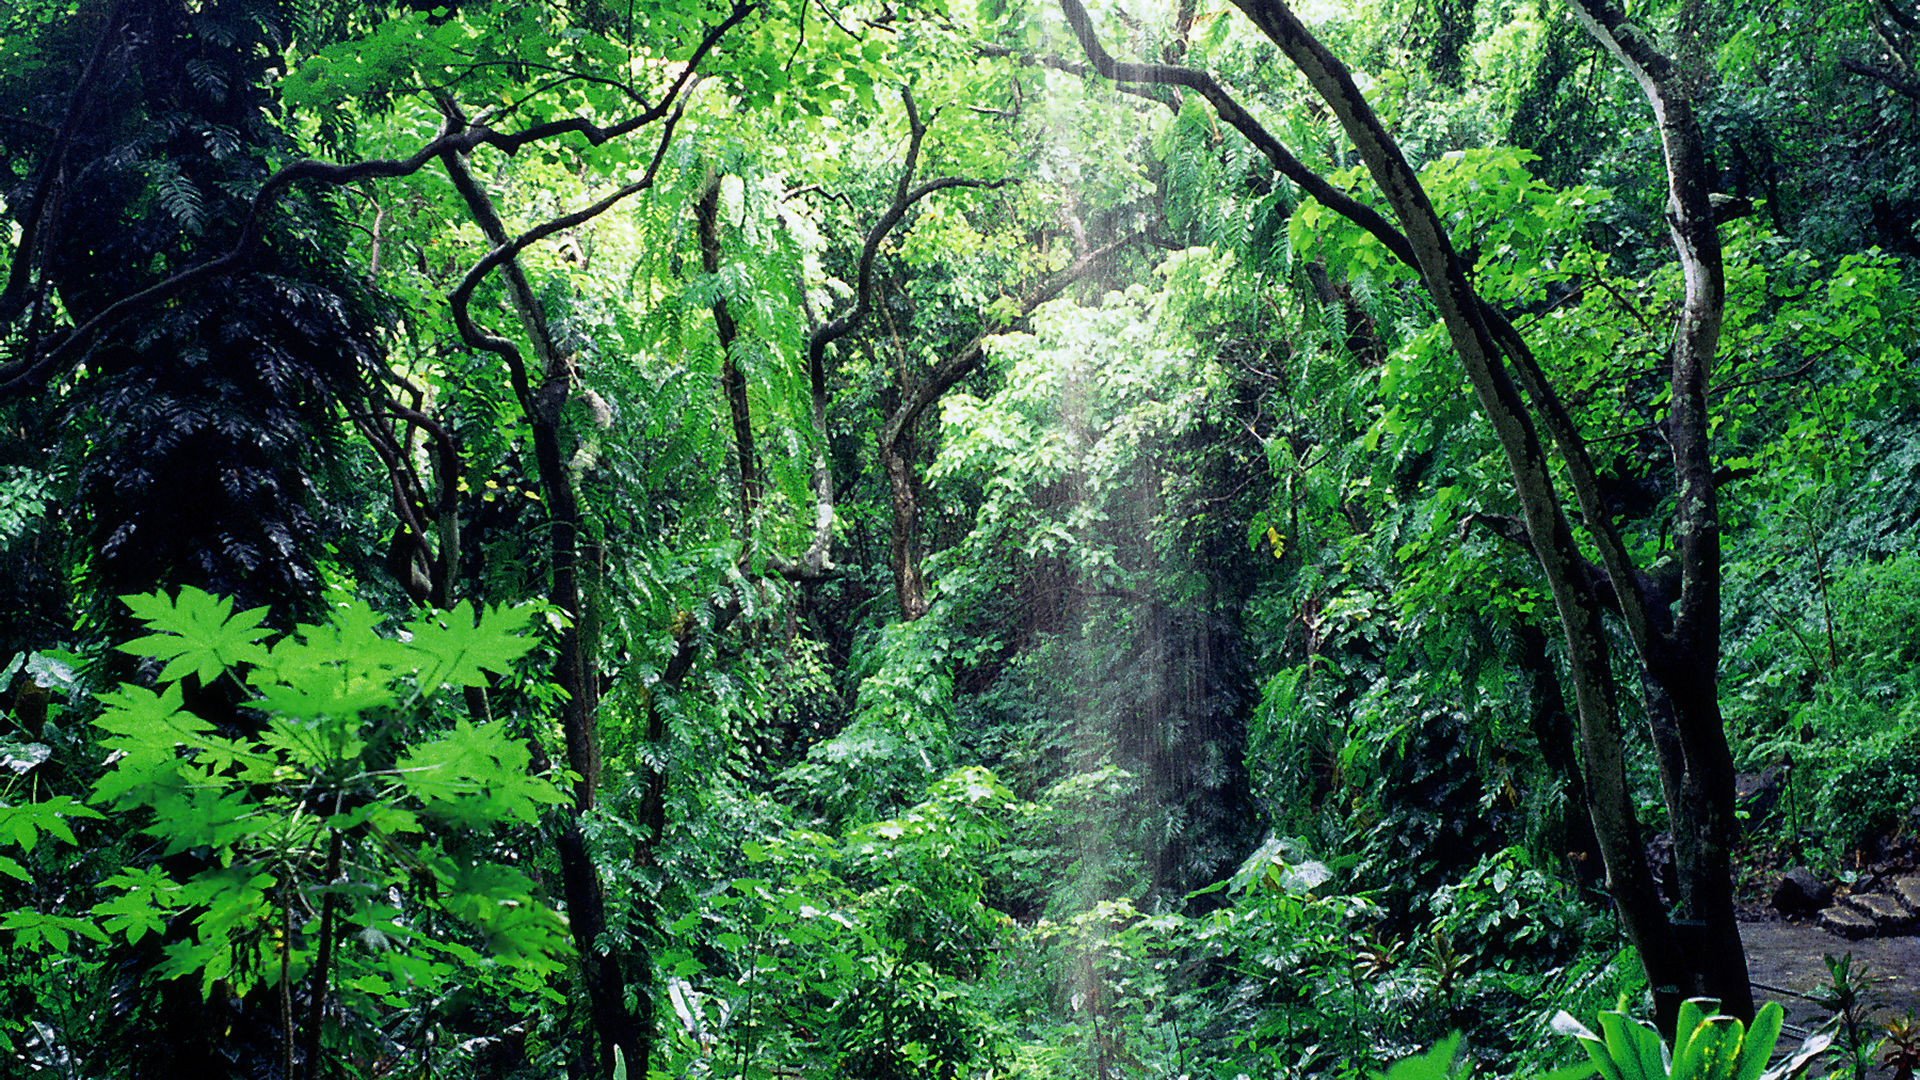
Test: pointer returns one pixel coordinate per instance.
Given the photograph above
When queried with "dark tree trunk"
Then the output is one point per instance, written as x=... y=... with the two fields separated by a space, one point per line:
x=917 y=396
x=903 y=499
x=1676 y=650
x=606 y=969
x=732 y=380
x=1553 y=729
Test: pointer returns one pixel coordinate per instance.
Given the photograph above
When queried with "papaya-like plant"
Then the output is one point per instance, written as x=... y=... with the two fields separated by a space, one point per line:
x=346 y=828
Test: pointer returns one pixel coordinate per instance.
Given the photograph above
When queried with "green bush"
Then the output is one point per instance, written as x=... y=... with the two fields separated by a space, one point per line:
x=1871 y=789
x=344 y=829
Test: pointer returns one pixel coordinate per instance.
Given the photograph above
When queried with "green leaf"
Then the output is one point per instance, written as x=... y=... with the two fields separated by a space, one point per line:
x=22 y=758
x=205 y=816
x=462 y=650
x=1761 y=1037
x=477 y=775
x=1435 y=1064
x=1713 y=1053
x=1634 y=1047
x=25 y=823
x=144 y=908
x=1564 y=1023
x=33 y=929
x=196 y=633
x=1693 y=1012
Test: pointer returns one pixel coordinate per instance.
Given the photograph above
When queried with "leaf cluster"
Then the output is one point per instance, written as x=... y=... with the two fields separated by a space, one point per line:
x=351 y=789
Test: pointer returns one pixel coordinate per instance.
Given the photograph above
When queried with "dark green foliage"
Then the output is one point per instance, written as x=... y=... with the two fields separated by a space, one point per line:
x=863 y=954
x=1449 y=33
x=1872 y=790
x=213 y=413
x=214 y=430
x=1552 y=113
x=35 y=545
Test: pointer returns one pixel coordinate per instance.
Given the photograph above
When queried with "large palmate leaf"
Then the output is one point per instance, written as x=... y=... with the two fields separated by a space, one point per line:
x=459 y=647
x=196 y=633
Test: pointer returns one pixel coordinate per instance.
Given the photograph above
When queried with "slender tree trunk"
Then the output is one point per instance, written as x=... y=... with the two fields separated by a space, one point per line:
x=1553 y=730
x=916 y=397
x=732 y=380
x=903 y=499
x=1684 y=661
x=606 y=968
x=1676 y=647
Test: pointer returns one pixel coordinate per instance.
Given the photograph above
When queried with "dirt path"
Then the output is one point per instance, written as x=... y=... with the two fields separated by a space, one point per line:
x=1786 y=960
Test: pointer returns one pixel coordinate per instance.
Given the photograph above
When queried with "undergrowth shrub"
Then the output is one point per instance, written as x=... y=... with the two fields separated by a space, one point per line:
x=341 y=830
x=1833 y=689
x=1871 y=788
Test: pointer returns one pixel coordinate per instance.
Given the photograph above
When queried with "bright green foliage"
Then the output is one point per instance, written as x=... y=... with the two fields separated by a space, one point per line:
x=1090 y=466
x=198 y=634
x=348 y=784
x=864 y=953
x=898 y=737
x=1212 y=540
x=1706 y=1046
x=1440 y=1063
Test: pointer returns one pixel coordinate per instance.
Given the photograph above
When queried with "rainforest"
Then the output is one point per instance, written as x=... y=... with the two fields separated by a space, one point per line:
x=965 y=539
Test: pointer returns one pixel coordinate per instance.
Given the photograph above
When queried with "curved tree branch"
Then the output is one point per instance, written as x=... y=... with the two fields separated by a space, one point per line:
x=33 y=218
x=915 y=400
x=604 y=973
x=1892 y=80
x=1485 y=346
x=1559 y=423
x=32 y=371
x=1242 y=121
x=814 y=561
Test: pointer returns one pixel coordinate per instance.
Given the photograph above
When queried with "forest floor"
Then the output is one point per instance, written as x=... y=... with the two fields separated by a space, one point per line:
x=1787 y=962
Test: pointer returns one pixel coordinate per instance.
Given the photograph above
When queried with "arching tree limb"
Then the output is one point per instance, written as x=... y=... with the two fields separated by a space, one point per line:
x=1554 y=415
x=906 y=195
x=814 y=562
x=37 y=369
x=1242 y=121
x=1495 y=356
x=1892 y=80
x=605 y=975
x=34 y=217
x=896 y=433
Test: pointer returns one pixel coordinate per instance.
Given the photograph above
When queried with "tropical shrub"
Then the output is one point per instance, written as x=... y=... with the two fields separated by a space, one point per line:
x=344 y=829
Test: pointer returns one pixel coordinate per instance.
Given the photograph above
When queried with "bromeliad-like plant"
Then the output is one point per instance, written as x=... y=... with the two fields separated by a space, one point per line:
x=350 y=801
x=1706 y=1045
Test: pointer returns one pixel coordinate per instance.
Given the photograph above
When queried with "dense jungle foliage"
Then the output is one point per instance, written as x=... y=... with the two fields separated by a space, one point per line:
x=922 y=538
